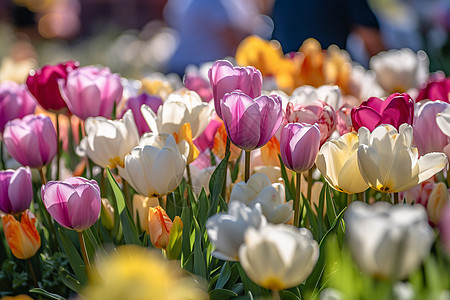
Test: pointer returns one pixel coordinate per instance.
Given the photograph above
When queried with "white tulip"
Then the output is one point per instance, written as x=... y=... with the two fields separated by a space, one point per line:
x=108 y=141
x=443 y=121
x=388 y=162
x=154 y=171
x=270 y=196
x=388 y=241
x=278 y=256
x=226 y=230
x=305 y=94
x=181 y=107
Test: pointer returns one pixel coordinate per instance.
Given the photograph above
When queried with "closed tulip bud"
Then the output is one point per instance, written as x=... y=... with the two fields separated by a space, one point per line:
x=388 y=162
x=74 y=203
x=91 y=92
x=338 y=162
x=225 y=78
x=107 y=142
x=141 y=205
x=388 y=241
x=299 y=144
x=107 y=214
x=15 y=102
x=436 y=202
x=43 y=84
x=31 y=140
x=278 y=257
x=16 y=190
x=159 y=226
x=22 y=237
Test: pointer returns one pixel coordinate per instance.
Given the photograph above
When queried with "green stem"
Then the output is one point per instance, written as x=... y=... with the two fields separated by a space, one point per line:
x=362 y=196
x=310 y=183
x=102 y=183
x=384 y=197
x=247 y=165
x=1 y=156
x=275 y=295
x=396 y=198
x=45 y=212
x=91 y=172
x=349 y=199
x=41 y=174
x=58 y=149
x=161 y=202
x=297 y=199
x=84 y=252
x=188 y=172
x=126 y=191
x=224 y=187
x=33 y=275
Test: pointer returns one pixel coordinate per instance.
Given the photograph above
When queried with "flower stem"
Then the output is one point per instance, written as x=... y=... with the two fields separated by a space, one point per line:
x=310 y=183
x=58 y=148
x=126 y=191
x=188 y=172
x=396 y=198
x=84 y=252
x=297 y=199
x=224 y=187
x=33 y=275
x=247 y=165
x=161 y=202
x=349 y=199
x=275 y=295
x=1 y=155
x=41 y=174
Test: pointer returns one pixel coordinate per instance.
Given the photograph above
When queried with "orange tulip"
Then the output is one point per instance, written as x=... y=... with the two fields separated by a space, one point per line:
x=159 y=225
x=270 y=151
x=220 y=140
x=22 y=237
x=185 y=134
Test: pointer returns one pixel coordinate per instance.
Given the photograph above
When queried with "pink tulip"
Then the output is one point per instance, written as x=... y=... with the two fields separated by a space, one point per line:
x=135 y=103
x=206 y=139
x=16 y=191
x=43 y=84
x=250 y=124
x=225 y=78
x=299 y=145
x=344 y=119
x=15 y=102
x=317 y=112
x=74 y=203
x=437 y=88
x=91 y=92
x=395 y=110
x=31 y=140
x=194 y=82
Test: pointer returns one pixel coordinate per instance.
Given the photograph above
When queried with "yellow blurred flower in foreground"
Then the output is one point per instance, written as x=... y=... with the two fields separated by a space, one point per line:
x=135 y=273
x=18 y=297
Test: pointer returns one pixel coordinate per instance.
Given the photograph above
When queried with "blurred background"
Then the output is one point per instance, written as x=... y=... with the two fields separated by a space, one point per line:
x=138 y=37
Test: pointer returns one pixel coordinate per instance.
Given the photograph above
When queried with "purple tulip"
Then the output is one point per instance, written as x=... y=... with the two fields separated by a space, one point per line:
x=91 y=92
x=194 y=82
x=395 y=110
x=16 y=191
x=250 y=124
x=225 y=78
x=43 y=84
x=299 y=145
x=31 y=140
x=135 y=103
x=437 y=88
x=74 y=203
x=15 y=102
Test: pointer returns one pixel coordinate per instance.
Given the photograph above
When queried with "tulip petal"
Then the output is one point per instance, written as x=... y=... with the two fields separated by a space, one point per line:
x=430 y=164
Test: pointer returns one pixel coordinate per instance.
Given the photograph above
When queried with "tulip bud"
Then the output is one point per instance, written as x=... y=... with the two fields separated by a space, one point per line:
x=22 y=237
x=436 y=202
x=107 y=214
x=16 y=190
x=159 y=225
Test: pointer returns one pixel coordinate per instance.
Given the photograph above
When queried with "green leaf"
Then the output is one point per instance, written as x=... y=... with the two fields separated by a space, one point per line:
x=290 y=188
x=199 y=261
x=220 y=294
x=129 y=229
x=203 y=208
x=216 y=184
x=69 y=281
x=249 y=285
x=49 y=295
x=286 y=295
x=224 y=275
x=75 y=260
x=173 y=248
x=186 y=218
x=235 y=171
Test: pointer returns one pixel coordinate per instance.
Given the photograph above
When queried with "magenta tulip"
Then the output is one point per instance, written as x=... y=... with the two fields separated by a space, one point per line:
x=43 y=84
x=195 y=82
x=135 y=103
x=395 y=110
x=250 y=124
x=299 y=145
x=436 y=89
x=91 y=92
x=16 y=190
x=31 y=140
x=15 y=102
x=74 y=203
x=225 y=78
x=316 y=112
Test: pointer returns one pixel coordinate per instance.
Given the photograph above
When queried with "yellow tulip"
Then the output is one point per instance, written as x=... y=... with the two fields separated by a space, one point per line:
x=141 y=205
x=185 y=134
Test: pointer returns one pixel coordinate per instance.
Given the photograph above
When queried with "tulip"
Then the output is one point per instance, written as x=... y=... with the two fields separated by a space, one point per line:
x=16 y=190
x=395 y=110
x=141 y=205
x=194 y=81
x=306 y=94
x=388 y=241
x=278 y=265
x=338 y=162
x=388 y=162
x=43 y=84
x=400 y=70
x=206 y=139
x=107 y=142
x=225 y=78
x=428 y=137
x=31 y=140
x=74 y=203
x=159 y=225
x=299 y=146
x=180 y=107
x=343 y=119
x=436 y=89
x=22 y=237
x=15 y=102
x=91 y=92
x=270 y=196
x=226 y=230
x=250 y=124
x=220 y=142
x=135 y=103
x=159 y=87
x=154 y=171
x=315 y=112
x=439 y=197
x=270 y=152
x=183 y=138
x=107 y=214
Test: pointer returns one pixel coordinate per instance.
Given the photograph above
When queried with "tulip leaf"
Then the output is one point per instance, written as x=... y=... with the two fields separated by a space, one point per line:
x=186 y=218
x=173 y=248
x=216 y=184
x=203 y=208
x=221 y=294
x=286 y=295
x=91 y=235
x=199 y=261
x=49 y=295
x=290 y=188
x=224 y=275
x=75 y=260
x=235 y=171
x=129 y=229
x=249 y=285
